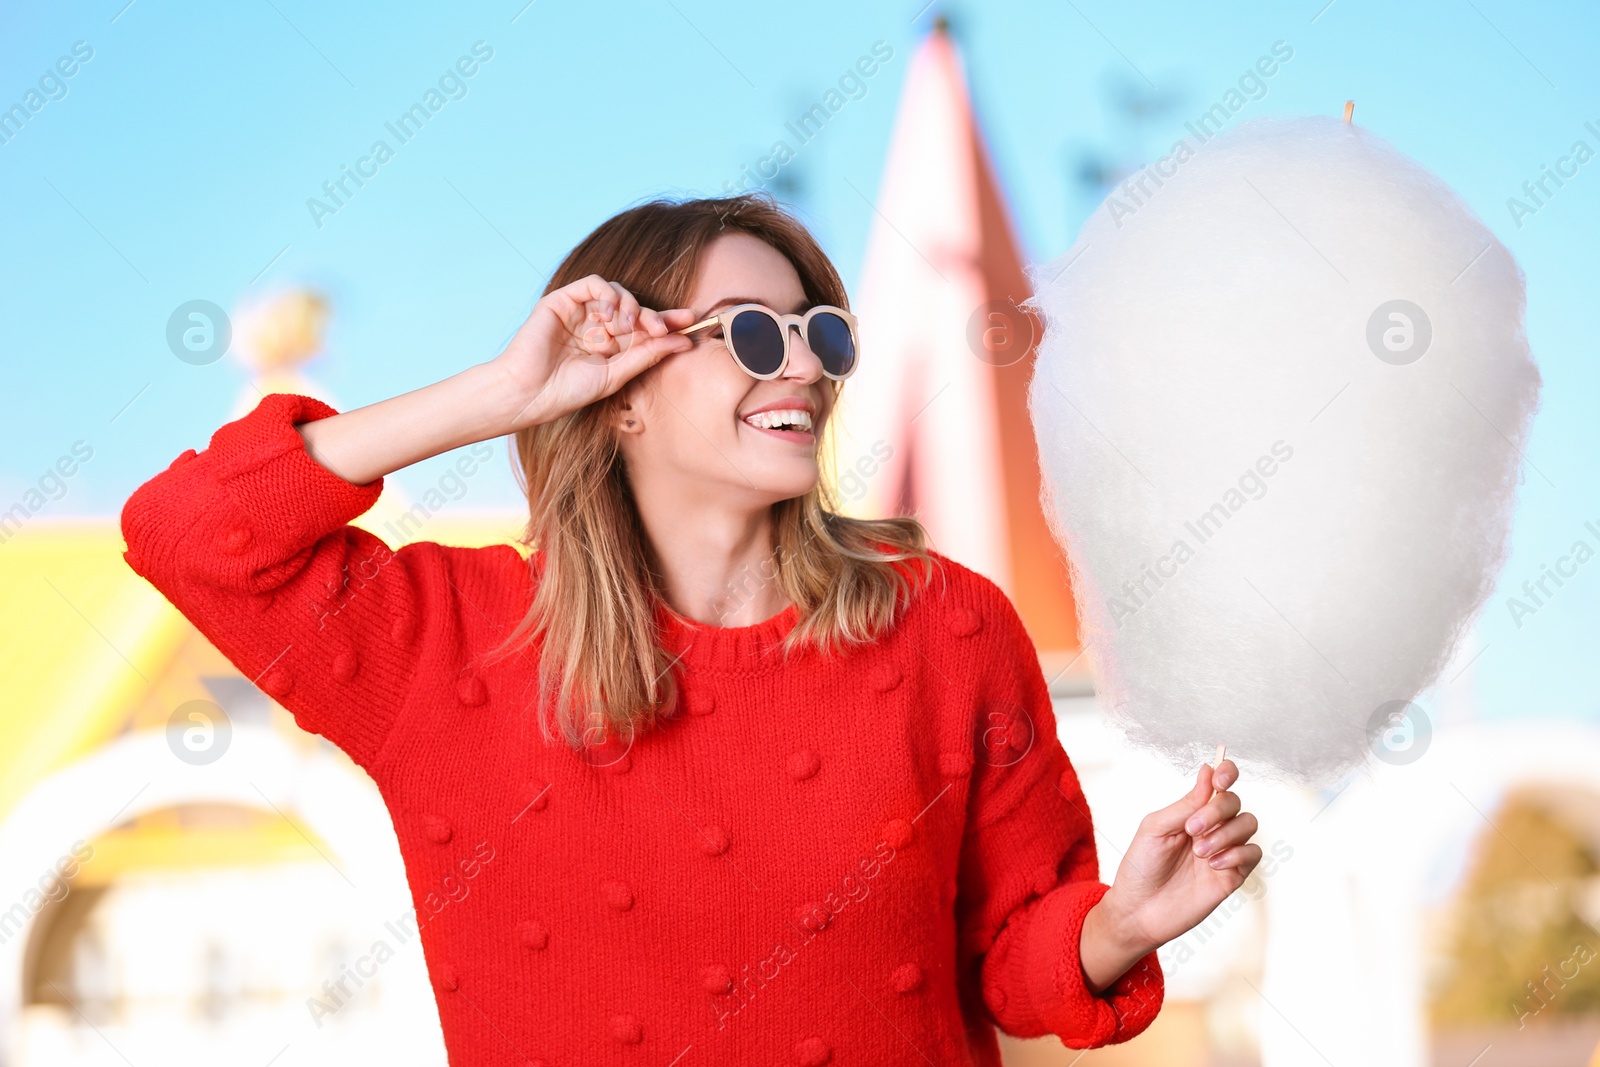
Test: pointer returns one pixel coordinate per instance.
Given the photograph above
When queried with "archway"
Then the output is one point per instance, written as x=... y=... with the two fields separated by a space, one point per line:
x=69 y=929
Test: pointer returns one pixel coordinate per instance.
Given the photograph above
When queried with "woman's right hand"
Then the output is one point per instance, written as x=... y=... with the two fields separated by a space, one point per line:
x=580 y=343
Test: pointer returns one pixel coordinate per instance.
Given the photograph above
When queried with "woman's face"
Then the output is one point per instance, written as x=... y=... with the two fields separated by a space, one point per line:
x=690 y=441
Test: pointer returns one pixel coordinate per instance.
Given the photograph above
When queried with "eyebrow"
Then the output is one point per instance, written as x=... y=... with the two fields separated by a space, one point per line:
x=732 y=300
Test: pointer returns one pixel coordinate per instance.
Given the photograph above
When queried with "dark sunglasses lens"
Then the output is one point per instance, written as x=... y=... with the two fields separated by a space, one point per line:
x=757 y=342
x=829 y=337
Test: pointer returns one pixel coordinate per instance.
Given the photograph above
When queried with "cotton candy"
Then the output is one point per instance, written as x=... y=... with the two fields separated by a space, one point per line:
x=1280 y=399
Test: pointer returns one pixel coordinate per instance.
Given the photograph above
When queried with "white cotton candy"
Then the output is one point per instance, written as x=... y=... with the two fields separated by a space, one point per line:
x=1206 y=353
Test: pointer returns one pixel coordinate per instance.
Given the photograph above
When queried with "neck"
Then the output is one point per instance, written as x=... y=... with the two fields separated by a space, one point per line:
x=718 y=563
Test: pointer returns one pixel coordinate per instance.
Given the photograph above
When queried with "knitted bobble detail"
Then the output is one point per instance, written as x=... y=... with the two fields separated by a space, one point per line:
x=627 y=1029
x=533 y=934
x=617 y=895
x=995 y=997
x=885 y=677
x=804 y=764
x=812 y=1052
x=907 y=978
x=714 y=840
x=471 y=690
x=277 y=682
x=345 y=666
x=955 y=764
x=964 y=622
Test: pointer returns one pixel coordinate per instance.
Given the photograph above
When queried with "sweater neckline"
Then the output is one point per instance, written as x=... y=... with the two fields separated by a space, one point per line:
x=725 y=649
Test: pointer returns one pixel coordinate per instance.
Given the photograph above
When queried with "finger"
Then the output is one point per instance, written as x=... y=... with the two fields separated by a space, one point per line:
x=595 y=339
x=679 y=318
x=1171 y=819
x=627 y=315
x=652 y=322
x=1218 y=809
x=646 y=354
x=1235 y=831
x=590 y=294
x=610 y=314
x=1226 y=775
x=584 y=314
x=1241 y=857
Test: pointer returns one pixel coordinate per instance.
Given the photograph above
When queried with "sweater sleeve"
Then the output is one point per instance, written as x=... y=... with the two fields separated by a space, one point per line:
x=250 y=540
x=1029 y=870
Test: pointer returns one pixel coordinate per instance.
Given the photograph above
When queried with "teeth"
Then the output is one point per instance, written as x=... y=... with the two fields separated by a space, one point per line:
x=772 y=420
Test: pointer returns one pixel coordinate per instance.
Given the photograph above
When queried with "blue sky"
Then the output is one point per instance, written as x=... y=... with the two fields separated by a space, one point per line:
x=178 y=164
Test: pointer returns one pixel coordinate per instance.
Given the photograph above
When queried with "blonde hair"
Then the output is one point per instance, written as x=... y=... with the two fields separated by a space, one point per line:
x=598 y=581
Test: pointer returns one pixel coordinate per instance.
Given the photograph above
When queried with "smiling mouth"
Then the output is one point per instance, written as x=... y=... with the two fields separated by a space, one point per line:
x=788 y=425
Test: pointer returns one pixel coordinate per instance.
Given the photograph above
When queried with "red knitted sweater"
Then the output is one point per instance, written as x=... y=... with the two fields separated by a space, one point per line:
x=874 y=858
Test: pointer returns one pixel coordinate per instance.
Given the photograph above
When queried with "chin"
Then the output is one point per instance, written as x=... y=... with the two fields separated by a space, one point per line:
x=778 y=488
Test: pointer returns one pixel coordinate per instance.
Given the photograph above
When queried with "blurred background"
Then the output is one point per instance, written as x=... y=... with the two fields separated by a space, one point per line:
x=206 y=204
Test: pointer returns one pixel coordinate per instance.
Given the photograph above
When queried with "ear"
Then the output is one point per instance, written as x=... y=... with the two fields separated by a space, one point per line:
x=623 y=417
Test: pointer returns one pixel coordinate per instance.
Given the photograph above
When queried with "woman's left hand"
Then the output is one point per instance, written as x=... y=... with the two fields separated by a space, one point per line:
x=1184 y=860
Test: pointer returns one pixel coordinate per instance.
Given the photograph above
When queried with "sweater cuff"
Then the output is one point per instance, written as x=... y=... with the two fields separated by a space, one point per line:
x=264 y=455
x=1053 y=975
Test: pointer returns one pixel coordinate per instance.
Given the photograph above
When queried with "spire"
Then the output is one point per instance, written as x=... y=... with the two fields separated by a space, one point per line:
x=946 y=354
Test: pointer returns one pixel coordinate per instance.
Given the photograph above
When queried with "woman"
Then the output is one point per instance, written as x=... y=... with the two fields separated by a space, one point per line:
x=795 y=793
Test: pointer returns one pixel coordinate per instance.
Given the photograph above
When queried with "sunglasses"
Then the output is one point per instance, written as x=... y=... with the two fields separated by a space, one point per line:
x=758 y=338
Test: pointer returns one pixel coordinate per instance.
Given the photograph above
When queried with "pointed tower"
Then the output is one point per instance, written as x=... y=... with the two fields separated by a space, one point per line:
x=946 y=358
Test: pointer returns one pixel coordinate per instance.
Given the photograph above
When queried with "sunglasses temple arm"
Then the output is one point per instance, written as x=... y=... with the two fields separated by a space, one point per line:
x=702 y=324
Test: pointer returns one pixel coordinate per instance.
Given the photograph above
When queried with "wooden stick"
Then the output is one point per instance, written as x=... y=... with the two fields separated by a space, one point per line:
x=1349 y=111
x=1222 y=751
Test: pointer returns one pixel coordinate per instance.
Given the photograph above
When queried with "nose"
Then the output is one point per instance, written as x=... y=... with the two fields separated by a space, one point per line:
x=803 y=363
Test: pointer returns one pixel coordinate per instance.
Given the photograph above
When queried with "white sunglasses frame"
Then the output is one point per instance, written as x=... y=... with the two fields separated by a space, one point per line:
x=725 y=317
